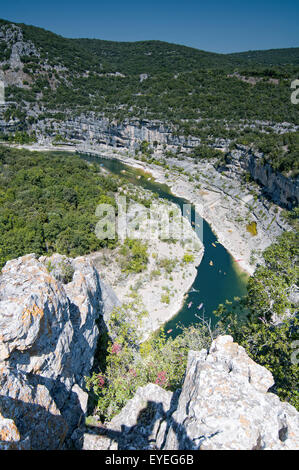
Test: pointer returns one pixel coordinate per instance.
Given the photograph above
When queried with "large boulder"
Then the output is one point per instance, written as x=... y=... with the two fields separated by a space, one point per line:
x=224 y=404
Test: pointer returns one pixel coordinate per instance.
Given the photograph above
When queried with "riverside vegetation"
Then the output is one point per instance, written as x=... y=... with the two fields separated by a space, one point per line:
x=127 y=364
x=43 y=211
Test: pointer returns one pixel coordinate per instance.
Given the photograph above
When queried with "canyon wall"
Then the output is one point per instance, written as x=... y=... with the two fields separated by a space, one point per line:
x=91 y=130
x=281 y=189
x=128 y=133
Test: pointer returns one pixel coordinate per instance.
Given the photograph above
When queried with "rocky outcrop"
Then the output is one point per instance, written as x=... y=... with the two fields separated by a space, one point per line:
x=50 y=310
x=224 y=404
x=93 y=130
x=128 y=134
x=12 y=37
x=282 y=189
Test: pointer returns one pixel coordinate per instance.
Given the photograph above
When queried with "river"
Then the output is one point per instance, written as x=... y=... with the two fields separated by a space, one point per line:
x=215 y=282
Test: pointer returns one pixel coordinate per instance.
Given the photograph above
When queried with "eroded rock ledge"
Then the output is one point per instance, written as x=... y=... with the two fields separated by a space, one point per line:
x=224 y=404
x=48 y=336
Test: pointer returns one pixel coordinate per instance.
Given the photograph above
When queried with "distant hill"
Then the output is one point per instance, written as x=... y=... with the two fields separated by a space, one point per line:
x=145 y=56
x=289 y=56
x=152 y=56
x=49 y=77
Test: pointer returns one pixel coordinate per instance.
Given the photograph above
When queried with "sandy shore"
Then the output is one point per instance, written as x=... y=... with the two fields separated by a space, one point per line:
x=226 y=215
x=157 y=293
x=208 y=206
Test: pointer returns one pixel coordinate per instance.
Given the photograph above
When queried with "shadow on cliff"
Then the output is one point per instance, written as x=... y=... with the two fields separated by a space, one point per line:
x=144 y=435
x=44 y=429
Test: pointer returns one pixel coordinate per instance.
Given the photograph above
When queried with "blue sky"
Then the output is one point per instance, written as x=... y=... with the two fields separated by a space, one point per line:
x=214 y=25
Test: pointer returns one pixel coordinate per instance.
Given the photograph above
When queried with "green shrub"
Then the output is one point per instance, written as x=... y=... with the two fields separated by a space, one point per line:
x=130 y=364
x=271 y=344
x=188 y=258
x=134 y=256
x=165 y=298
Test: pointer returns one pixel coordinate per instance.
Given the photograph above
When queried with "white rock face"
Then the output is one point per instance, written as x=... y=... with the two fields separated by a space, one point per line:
x=48 y=336
x=10 y=438
x=283 y=190
x=224 y=404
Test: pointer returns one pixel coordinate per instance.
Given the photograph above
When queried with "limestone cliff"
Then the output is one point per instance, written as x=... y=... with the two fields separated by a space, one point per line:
x=281 y=189
x=224 y=404
x=48 y=336
x=91 y=128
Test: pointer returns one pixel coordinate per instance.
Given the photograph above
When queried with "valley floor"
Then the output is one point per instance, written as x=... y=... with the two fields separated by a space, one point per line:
x=222 y=200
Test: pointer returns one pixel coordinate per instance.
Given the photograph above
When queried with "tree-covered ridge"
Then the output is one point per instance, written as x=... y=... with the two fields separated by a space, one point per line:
x=152 y=56
x=55 y=49
x=48 y=202
x=288 y=56
x=186 y=96
x=200 y=93
x=196 y=102
x=144 y=56
x=170 y=66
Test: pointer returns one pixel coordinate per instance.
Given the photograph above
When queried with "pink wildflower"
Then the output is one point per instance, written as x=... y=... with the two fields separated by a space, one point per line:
x=161 y=378
x=101 y=381
x=116 y=348
x=133 y=372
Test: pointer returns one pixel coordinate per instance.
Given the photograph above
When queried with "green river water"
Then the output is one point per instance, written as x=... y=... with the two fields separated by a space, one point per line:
x=214 y=284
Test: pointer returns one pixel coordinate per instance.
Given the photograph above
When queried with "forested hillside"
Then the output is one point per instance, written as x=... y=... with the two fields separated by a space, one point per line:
x=43 y=211
x=148 y=79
